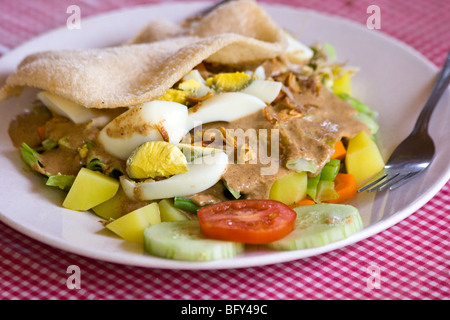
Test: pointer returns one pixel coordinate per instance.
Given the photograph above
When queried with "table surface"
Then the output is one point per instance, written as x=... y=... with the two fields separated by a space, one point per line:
x=411 y=258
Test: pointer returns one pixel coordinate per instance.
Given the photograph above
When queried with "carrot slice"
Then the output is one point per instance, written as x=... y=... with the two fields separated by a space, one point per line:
x=41 y=132
x=339 y=151
x=304 y=202
x=346 y=187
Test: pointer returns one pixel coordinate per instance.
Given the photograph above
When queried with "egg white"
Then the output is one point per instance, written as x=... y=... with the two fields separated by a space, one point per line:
x=201 y=175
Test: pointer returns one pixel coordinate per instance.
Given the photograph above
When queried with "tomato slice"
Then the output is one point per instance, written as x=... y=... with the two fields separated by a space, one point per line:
x=247 y=221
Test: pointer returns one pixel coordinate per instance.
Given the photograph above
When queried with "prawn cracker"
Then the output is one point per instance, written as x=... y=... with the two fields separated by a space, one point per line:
x=150 y=63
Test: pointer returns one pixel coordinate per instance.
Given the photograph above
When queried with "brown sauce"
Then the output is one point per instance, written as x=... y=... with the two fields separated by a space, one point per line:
x=325 y=119
x=309 y=121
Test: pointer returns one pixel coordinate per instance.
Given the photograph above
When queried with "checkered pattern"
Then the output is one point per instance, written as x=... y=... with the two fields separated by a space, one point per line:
x=411 y=259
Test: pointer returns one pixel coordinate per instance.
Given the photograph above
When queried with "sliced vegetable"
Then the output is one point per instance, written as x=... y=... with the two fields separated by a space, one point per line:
x=320 y=224
x=301 y=164
x=345 y=186
x=326 y=191
x=368 y=121
x=235 y=193
x=320 y=187
x=49 y=144
x=330 y=50
x=169 y=212
x=304 y=202
x=339 y=151
x=358 y=105
x=363 y=158
x=41 y=132
x=61 y=181
x=30 y=156
x=113 y=208
x=95 y=165
x=330 y=170
x=290 y=188
x=89 y=189
x=185 y=204
x=184 y=240
x=131 y=226
x=343 y=83
x=311 y=189
x=247 y=221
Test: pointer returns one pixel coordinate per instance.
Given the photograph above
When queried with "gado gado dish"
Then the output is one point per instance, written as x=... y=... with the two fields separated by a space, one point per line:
x=199 y=138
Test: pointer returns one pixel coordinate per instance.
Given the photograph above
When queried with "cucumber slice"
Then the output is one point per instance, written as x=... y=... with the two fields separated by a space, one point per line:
x=183 y=240
x=320 y=224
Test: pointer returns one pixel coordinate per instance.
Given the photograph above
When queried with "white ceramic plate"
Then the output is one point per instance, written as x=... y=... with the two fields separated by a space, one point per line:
x=394 y=79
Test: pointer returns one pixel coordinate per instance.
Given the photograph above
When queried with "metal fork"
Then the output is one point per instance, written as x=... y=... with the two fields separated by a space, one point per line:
x=405 y=162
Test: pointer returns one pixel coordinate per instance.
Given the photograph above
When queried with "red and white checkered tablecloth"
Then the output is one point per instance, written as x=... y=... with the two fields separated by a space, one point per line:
x=412 y=257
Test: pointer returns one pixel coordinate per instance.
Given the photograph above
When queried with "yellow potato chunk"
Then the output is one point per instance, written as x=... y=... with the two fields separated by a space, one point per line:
x=156 y=159
x=343 y=84
x=89 y=189
x=169 y=212
x=131 y=226
x=363 y=159
x=114 y=207
x=290 y=188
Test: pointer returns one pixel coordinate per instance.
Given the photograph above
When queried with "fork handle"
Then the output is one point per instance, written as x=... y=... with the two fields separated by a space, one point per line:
x=438 y=90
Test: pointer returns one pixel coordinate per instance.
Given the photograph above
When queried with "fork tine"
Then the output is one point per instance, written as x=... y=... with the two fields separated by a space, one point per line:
x=384 y=183
x=396 y=178
x=372 y=183
x=404 y=180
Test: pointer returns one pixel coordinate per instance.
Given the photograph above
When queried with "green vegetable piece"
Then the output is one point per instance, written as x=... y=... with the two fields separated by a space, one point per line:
x=185 y=204
x=358 y=105
x=235 y=193
x=49 y=144
x=30 y=156
x=95 y=165
x=64 y=142
x=311 y=188
x=326 y=191
x=331 y=52
x=64 y=182
x=300 y=165
x=330 y=170
x=169 y=213
x=368 y=121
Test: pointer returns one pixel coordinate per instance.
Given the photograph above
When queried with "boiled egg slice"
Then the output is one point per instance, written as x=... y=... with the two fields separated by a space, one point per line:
x=265 y=90
x=296 y=51
x=151 y=121
x=202 y=174
x=201 y=89
x=227 y=106
x=66 y=108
